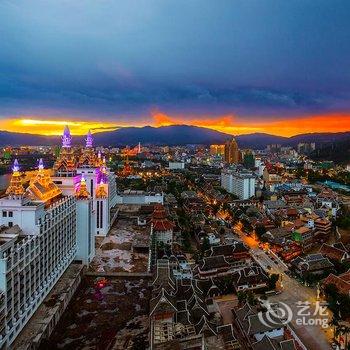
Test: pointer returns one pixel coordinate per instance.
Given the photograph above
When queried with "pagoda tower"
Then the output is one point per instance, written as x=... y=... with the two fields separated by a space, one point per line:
x=15 y=188
x=65 y=164
x=127 y=169
x=41 y=187
x=101 y=173
x=82 y=191
x=101 y=191
x=88 y=157
x=162 y=227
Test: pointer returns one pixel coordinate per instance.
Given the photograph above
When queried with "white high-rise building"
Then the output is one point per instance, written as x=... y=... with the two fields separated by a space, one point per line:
x=46 y=226
x=100 y=181
x=38 y=228
x=239 y=183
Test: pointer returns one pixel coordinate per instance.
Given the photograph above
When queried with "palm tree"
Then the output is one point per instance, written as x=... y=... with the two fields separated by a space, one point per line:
x=335 y=323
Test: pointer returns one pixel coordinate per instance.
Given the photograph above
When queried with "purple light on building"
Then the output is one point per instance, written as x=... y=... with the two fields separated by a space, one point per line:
x=15 y=166
x=89 y=140
x=66 y=137
x=101 y=177
x=41 y=164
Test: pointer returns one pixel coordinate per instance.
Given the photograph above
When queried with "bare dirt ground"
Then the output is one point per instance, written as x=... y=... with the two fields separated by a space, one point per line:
x=115 y=253
x=111 y=316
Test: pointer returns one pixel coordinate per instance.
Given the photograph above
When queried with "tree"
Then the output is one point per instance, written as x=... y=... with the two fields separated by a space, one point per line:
x=247 y=296
x=273 y=280
x=205 y=245
x=222 y=231
x=260 y=230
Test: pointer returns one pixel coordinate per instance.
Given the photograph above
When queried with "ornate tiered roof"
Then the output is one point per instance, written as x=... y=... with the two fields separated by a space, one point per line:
x=101 y=191
x=159 y=219
x=88 y=156
x=41 y=186
x=82 y=191
x=15 y=188
x=66 y=160
x=102 y=172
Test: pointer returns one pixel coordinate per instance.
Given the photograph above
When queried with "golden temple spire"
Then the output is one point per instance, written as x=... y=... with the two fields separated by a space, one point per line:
x=101 y=191
x=41 y=186
x=82 y=191
x=15 y=188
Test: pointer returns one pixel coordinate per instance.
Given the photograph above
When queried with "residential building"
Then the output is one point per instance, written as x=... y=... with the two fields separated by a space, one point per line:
x=176 y=165
x=239 y=183
x=36 y=246
x=139 y=197
x=336 y=252
x=314 y=264
x=342 y=282
x=231 y=152
x=249 y=278
x=217 y=150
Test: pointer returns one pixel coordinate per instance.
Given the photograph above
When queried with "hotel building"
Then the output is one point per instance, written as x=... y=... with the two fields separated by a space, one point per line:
x=100 y=182
x=46 y=226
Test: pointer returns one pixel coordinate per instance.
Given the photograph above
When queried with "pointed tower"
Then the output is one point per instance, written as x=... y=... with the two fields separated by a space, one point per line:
x=82 y=191
x=66 y=138
x=89 y=140
x=41 y=187
x=88 y=157
x=99 y=158
x=65 y=163
x=102 y=209
x=15 y=189
x=101 y=191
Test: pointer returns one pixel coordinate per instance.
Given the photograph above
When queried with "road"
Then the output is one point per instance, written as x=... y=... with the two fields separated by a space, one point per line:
x=314 y=337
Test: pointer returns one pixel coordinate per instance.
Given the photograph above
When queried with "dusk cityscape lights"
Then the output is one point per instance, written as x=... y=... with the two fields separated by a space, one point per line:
x=175 y=175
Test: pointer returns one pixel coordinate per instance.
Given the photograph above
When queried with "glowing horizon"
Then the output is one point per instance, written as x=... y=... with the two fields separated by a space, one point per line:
x=229 y=124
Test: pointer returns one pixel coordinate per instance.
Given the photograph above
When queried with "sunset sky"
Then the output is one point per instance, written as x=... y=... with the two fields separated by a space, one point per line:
x=237 y=66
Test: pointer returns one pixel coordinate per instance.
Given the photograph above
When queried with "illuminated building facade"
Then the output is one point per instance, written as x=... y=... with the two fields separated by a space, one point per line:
x=217 y=150
x=38 y=229
x=232 y=154
x=162 y=228
x=46 y=226
x=239 y=183
x=100 y=181
x=86 y=216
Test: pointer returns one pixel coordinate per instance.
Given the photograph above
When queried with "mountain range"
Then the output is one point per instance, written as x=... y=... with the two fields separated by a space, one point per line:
x=173 y=135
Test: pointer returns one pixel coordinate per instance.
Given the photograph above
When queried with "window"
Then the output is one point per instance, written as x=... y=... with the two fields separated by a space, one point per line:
x=4 y=214
x=10 y=214
x=10 y=223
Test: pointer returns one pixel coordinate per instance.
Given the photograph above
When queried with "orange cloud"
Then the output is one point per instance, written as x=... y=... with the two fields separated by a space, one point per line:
x=312 y=124
x=229 y=124
x=52 y=127
x=289 y=127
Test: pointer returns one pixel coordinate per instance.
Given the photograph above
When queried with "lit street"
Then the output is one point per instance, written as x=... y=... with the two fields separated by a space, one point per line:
x=313 y=336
